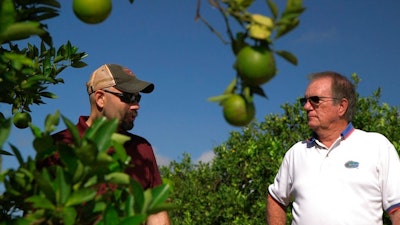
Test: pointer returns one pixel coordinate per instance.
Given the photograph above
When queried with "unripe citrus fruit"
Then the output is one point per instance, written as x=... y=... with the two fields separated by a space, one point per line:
x=237 y=111
x=255 y=65
x=22 y=120
x=92 y=11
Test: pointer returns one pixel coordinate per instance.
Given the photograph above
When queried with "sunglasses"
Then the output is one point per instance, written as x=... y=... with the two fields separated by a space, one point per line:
x=315 y=100
x=128 y=98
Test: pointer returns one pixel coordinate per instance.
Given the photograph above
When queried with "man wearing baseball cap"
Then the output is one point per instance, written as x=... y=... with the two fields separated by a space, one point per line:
x=114 y=93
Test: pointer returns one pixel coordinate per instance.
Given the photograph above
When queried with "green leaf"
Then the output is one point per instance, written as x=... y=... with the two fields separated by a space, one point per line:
x=73 y=129
x=5 y=129
x=134 y=220
x=110 y=217
x=17 y=154
x=247 y=94
x=91 y=181
x=78 y=64
x=36 y=131
x=19 y=31
x=259 y=91
x=159 y=195
x=52 y=3
x=129 y=205
x=219 y=98
x=274 y=9
x=3 y=152
x=118 y=140
x=81 y=196
x=101 y=131
x=288 y=56
x=286 y=26
x=230 y=89
x=294 y=6
x=43 y=180
x=7 y=14
x=52 y=121
x=138 y=193
x=47 y=94
x=118 y=178
x=61 y=187
x=69 y=215
x=41 y=202
x=87 y=152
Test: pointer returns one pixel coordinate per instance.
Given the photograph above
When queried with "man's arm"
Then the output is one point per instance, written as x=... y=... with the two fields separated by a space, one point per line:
x=160 y=218
x=276 y=213
x=395 y=217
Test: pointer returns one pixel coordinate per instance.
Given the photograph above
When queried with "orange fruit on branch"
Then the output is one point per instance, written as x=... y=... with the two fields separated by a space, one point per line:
x=22 y=119
x=92 y=11
x=237 y=110
x=255 y=65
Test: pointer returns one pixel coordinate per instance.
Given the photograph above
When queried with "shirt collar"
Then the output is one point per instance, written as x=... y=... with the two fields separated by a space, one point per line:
x=345 y=133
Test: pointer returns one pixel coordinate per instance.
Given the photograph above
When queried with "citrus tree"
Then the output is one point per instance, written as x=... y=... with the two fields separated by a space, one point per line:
x=251 y=37
x=232 y=188
x=66 y=194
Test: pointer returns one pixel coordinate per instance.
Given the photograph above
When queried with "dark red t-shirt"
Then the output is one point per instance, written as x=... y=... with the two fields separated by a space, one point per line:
x=144 y=169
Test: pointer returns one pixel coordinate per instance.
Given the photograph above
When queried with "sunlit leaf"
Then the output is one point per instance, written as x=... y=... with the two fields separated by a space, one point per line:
x=110 y=217
x=80 y=196
x=7 y=14
x=273 y=7
x=62 y=188
x=52 y=121
x=134 y=220
x=18 y=31
x=73 y=130
x=69 y=215
x=159 y=195
x=287 y=56
x=118 y=178
x=41 y=202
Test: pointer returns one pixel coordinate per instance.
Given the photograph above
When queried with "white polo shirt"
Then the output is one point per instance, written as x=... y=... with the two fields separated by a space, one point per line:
x=349 y=183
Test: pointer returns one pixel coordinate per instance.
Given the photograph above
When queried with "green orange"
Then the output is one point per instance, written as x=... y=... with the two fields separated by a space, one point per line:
x=237 y=111
x=22 y=119
x=255 y=65
x=92 y=11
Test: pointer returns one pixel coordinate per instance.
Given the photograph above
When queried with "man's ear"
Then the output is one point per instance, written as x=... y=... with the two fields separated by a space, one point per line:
x=99 y=98
x=343 y=105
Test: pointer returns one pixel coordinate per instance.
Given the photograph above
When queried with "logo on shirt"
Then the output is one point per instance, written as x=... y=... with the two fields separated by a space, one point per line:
x=351 y=164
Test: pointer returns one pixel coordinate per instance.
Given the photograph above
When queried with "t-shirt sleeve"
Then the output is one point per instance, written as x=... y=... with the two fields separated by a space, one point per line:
x=280 y=188
x=390 y=179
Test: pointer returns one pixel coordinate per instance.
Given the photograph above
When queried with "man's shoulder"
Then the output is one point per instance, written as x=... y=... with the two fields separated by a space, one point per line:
x=66 y=135
x=136 y=138
x=369 y=135
x=63 y=136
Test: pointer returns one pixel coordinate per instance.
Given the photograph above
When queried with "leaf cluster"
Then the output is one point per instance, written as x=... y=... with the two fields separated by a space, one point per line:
x=89 y=186
x=27 y=72
x=253 y=30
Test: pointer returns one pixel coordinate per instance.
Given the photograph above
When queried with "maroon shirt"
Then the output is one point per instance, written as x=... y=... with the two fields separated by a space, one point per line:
x=144 y=169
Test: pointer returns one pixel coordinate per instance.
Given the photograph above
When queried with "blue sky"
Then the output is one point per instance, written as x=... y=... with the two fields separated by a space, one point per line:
x=160 y=41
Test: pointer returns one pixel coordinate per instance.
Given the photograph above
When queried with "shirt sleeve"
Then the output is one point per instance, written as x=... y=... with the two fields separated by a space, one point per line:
x=390 y=179
x=280 y=189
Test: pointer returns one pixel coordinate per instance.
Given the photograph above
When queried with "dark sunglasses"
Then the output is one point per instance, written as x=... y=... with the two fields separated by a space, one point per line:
x=128 y=98
x=315 y=100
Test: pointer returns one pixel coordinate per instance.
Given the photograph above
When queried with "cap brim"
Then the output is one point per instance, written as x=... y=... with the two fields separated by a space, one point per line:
x=137 y=86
